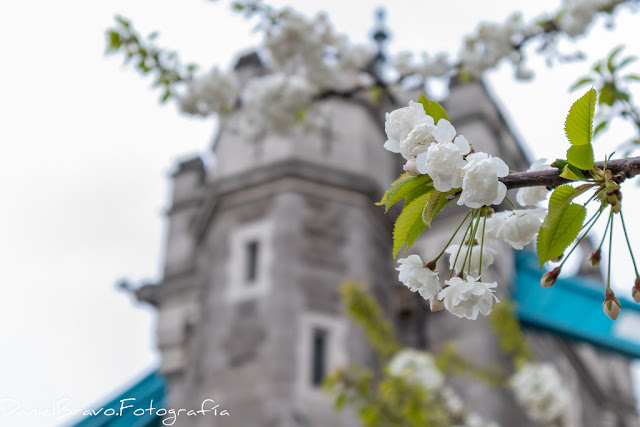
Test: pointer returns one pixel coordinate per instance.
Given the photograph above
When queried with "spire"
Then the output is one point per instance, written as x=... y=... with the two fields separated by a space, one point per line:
x=380 y=35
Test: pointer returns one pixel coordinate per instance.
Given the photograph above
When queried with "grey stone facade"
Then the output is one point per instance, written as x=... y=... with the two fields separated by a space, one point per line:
x=306 y=204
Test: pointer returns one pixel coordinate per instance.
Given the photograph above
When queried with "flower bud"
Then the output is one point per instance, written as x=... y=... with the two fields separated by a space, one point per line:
x=635 y=292
x=594 y=258
x=611 y=305
x=410 y=167
x=431 y=265
x=611 y=186
x=614 y=200
x=435 y=304
x=548 y=279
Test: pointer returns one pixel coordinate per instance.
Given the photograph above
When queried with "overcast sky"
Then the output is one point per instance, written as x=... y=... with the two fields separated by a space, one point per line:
x=85 y=152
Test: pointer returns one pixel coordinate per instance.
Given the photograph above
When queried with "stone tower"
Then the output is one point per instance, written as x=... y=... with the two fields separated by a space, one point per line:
x=248 y=310
x=259 y=242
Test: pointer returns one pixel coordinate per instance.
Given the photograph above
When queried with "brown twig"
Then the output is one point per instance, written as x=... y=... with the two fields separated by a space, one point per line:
x=621 y=169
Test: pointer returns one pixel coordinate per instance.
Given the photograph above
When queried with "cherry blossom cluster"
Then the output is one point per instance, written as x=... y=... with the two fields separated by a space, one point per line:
x=435 y=150
x=419 y=368
x=320 y=60
x=539 y=388
x=472 y=178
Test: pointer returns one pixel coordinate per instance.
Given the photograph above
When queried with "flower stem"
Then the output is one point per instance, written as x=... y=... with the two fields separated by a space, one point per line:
x=610 y=247
x=510 y=202
x=471 y=244
x=455 y=261
x=452 y=237
x=604 y=235
x=592 y=220
x=626 y=236
x=484 y=227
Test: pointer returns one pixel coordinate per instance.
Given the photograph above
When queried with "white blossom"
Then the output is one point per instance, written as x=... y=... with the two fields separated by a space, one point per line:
x=354 y=56
x=472 y=262
x=519 y=227
x=540 y=389
x=276 y=101
x=467 y=298
x=437 y=66
x=426 y=67
x=424 y=134
x=451 y=400
x=399 y=123
x=480 y=185
x=417 y=367
x=298 y=46
x=415 y=276
x=444 y=162
x=576 y=15
x=492 y=43
x=402 y=62
x=492 y=227
x=214 y=92
x=475 y=420
x=529 y=196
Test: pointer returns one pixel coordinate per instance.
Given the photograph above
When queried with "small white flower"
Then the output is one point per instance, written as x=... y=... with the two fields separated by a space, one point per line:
x=275 y=101
x=444 y=162
x=451 y=400
x=540 y=389
x=472 y=264
x=492 y=227
x=417 y=367
x=475 y=420
x=214 y=92
x=399 y=123
x=480 y=185
x=529 y=196
x=417 y=277
x=520 y=227
x=467 y=298
x=424 y=134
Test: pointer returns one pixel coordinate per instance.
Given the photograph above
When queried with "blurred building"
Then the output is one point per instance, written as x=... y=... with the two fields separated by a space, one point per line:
x=248 y=310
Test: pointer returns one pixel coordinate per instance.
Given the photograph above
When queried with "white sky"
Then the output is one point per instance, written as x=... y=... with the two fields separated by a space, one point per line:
x=85 y=151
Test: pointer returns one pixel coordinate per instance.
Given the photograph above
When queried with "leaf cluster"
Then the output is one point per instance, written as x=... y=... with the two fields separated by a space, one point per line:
x=610 y=78
x=148 y=58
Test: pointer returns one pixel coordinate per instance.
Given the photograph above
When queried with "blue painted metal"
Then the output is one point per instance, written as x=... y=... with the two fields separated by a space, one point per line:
x=150 y=390
x=573 y=307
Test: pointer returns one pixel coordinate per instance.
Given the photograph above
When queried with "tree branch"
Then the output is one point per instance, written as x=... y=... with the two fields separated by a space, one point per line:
x=621 y=170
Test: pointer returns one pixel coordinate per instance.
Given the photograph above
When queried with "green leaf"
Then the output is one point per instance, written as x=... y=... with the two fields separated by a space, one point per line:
x=635 y=77
x=385 y=196
x=560 y=164
x=411 y=213
x=628 y=60
x=433 y=109
x=613 y=55
x=437 y=201
x=583 y=81
x=562 y=224
x=580 y=119
x=581 y=156
x=406 y=187
x=607 y=94
x=599 y=128
x=416 y=229
x=572 y=173
x=553 y=240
